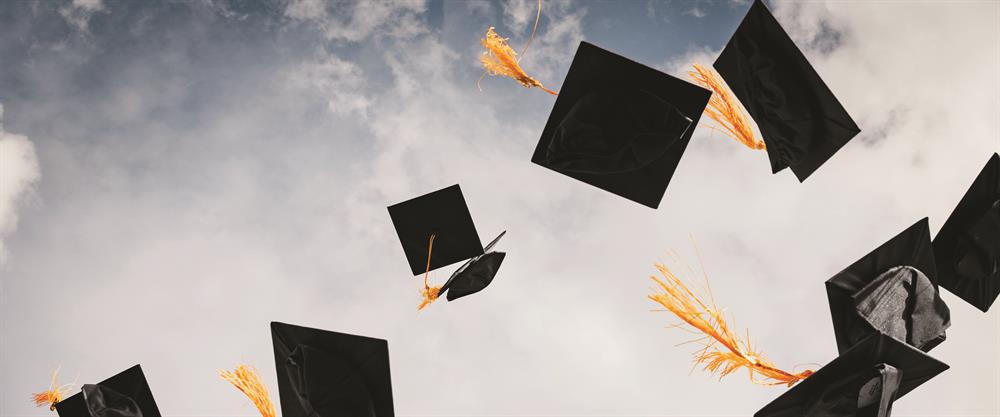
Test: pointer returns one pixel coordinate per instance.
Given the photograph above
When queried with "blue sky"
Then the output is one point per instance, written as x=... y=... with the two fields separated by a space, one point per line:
x=178 y=174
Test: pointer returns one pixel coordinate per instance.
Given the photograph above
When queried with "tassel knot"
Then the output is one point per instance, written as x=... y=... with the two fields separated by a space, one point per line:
x=53 y=395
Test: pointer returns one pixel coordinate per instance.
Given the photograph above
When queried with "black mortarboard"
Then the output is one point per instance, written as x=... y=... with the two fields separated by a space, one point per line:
x=442 y=213
x=800 y=119
x=863 y=381
x=330 y=374
x=124 y=395
x=892 y=290
x=619 y=125
x=967 y=247
x=476 y=273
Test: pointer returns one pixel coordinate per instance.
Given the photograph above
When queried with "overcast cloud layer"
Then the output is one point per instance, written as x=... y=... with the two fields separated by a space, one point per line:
x=177 y=175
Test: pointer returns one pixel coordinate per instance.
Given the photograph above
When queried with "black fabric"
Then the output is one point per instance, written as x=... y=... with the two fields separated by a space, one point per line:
x=613 y=130
x=879 y=392
x=903 y=303
x=481 y=271
x=968 y=246
x=476 y=277
x=800 y=119
x=329 y=374
x=115 y=397
x=444 y=214
x=863 y=381
x=327 y=385
x=619 y=125
x=103 y=401
x=892 y=289
x=867 y=393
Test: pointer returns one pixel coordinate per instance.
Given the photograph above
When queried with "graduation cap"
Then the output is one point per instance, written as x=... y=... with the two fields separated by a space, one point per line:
x=891 y=290
x=800 y=119
x=619 y=125
x=126 y=394
x=327 y=374
x=476 y=273
x=967 y=247
x=436 y=230
x=862 y=381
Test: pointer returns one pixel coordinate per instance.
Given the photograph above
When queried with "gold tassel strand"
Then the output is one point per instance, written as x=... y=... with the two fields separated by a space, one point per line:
x=725 y=110
x=53 y=395
x=430 y=294
x=500 y=59
x=245 y=379
x=709 y=320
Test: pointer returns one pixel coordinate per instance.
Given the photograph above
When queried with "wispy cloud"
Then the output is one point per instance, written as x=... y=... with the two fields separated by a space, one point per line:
x=696 y=11
x=355 y=21
x=225 y=166
x=340 y=83
x=78 y=13
x=19 y=172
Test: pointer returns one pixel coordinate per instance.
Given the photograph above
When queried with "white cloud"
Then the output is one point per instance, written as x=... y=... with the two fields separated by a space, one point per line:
x=79 y=12
x=696 y=12
x=481 y=8
x=559 y=32
x=18 y=173
x=340 y=83
x=251 y=209
x=356 y=21
x=519 y=15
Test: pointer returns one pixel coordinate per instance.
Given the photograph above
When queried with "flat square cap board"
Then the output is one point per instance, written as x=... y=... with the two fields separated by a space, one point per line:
x=835 y=390
x=444 y=214
x=892 y=290
x=801 y=121
x=324 y=374
x=619 y=125
x=967 y=247
x=123 y=392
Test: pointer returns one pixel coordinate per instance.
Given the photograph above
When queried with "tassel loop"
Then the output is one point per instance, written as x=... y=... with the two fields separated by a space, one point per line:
x=430 y=294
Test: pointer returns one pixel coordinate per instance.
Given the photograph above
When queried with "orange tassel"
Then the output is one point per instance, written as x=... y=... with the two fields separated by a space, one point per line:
x=500 y=59
x=724 y=109
x=245 y=379
x=53 y=395
x=429 y=293
x=724 y=352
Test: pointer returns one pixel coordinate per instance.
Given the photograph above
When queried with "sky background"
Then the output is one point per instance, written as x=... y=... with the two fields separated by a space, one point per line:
x=176 y=175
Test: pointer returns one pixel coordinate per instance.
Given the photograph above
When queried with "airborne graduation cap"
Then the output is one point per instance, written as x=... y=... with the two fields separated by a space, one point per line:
x=968 y=246
x=891 y=290
x=619 y=125
x=330 y=374
x=863 y=381
x=800 y=119
x=436 y=230
x=124 y=395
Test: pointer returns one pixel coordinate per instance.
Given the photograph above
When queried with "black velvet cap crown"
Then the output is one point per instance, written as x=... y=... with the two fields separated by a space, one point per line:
x=619 y=125
x=891 y=290
x=862 y=381
x=444 y=214
x=800 y=119
x=967 y=248
x=126 y=394
x=329 y=374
